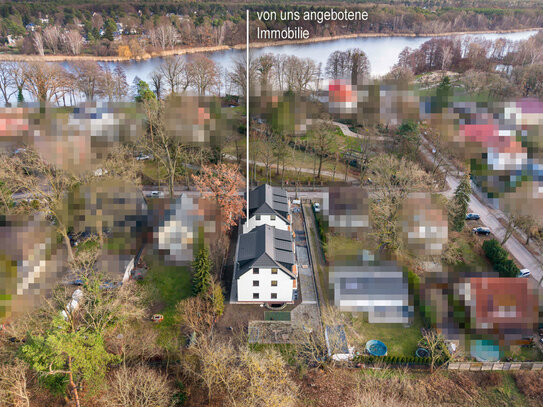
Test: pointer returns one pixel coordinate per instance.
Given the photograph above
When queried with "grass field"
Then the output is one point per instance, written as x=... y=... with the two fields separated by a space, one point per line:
x=277 y=315
x=400 y=340
x=170 y=284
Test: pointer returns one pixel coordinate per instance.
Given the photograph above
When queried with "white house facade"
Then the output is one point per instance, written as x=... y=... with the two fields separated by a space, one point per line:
x=265 y=268
x=268 y=206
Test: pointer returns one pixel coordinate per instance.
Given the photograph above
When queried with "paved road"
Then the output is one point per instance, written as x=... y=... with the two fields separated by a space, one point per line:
x=490 y=218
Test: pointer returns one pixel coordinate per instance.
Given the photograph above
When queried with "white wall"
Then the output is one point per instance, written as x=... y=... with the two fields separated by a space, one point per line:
x=283 y=289
x=265 y=220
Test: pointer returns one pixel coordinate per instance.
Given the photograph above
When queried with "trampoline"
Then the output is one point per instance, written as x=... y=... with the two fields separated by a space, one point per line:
x=422 y=353
x=376 y=348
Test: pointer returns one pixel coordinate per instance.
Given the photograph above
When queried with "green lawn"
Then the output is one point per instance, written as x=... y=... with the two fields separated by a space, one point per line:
x=150 y=170
x=522 y=354
x=170 y=284
x=400 y=340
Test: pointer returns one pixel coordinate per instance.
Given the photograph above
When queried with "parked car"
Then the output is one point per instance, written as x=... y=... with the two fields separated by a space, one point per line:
x=143 y=158
x=472 y=216
x=317 y=207
x=157 y=194
x=480 y=230
x=524 y=273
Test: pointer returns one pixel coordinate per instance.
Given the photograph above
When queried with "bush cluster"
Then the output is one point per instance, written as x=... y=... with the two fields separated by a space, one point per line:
x=500 y=259
x=392 y=360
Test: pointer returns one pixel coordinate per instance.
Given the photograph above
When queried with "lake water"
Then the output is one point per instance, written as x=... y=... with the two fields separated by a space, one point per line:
x=382 y=52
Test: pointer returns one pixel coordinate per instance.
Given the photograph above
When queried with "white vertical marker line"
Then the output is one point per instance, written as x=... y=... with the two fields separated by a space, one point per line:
x=247 y=114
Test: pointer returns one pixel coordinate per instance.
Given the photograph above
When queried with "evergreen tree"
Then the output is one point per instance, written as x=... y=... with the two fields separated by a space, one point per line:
x=109 y=29
x=461 y=202
x=143 y=92
x=20 y=97
x=202 y=279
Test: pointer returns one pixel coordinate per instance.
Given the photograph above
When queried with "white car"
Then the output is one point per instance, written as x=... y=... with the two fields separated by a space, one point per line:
x=524 y=273
x=156 y=194
x=143 y=158
x=317 y=207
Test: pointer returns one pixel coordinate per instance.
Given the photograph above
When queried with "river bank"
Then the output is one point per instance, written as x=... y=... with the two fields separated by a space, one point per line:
x=196 y=50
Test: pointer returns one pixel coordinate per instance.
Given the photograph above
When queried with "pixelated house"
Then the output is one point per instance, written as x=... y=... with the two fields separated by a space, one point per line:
x=348 y=211
x=342 y=98
x=504 y=306
x=268 y=206
x=381 y=291
x=265 y=268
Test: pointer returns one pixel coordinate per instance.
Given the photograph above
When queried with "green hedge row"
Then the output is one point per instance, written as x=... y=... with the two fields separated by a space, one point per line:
x=499 y=258
x=320 y=227
x=393 y=360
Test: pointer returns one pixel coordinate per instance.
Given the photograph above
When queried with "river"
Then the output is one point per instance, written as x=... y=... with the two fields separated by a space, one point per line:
x=382 y=52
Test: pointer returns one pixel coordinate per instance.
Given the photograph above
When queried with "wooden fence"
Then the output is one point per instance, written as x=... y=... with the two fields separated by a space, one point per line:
x=478 y=366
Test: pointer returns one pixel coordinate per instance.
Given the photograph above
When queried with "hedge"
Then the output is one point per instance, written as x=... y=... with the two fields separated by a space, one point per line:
x=394 y=360
x=320 y=227
x=499 y=257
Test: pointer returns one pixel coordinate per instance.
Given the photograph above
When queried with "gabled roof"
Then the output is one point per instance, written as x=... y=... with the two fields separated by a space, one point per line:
x=268 y=200
x=265 y=247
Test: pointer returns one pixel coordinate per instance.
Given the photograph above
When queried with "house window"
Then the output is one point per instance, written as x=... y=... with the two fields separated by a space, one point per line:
x=257 y=217
x=255 y=271
x=255 y=283
x=273 y=296
x=274 y=271
x=274 y=283
x=255 y=296
x=272 y=217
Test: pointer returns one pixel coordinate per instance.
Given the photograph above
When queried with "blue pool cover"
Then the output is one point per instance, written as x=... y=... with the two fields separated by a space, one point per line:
x=376 y=348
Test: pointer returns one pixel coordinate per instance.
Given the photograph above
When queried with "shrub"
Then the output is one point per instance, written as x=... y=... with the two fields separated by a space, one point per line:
x=499 y=257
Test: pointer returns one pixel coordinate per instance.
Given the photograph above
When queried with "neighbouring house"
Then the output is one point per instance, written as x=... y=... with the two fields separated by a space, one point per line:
x=176 y=227
x=508 y=307
x=424 y=225
x=31 y=27
x=265 y=268
x=378 y=288
x=347 y=211
x=31 y=262
x=268 y=206
x=484 y=312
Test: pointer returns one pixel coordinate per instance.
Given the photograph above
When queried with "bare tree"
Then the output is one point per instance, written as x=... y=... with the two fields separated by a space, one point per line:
x=47 y=82
x=172 y=70
x=16 y=72
x=204 y=74
x=243 y=377
x=164 y=36
x=37 y=42
x=434 y=342
x=165 y=147
x=115 y=83
x=514 y=220
x=27 y=171
x=51 y=38
x=14 y=390
x=7 y=84
x=89 y=78
x=299 y=73
x=158 y=79
x=139 y=386
x=238 y=74
x=73 y=41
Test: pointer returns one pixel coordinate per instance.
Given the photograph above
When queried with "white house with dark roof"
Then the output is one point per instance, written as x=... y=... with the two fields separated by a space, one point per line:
x=265 y=269
x=268 y=206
